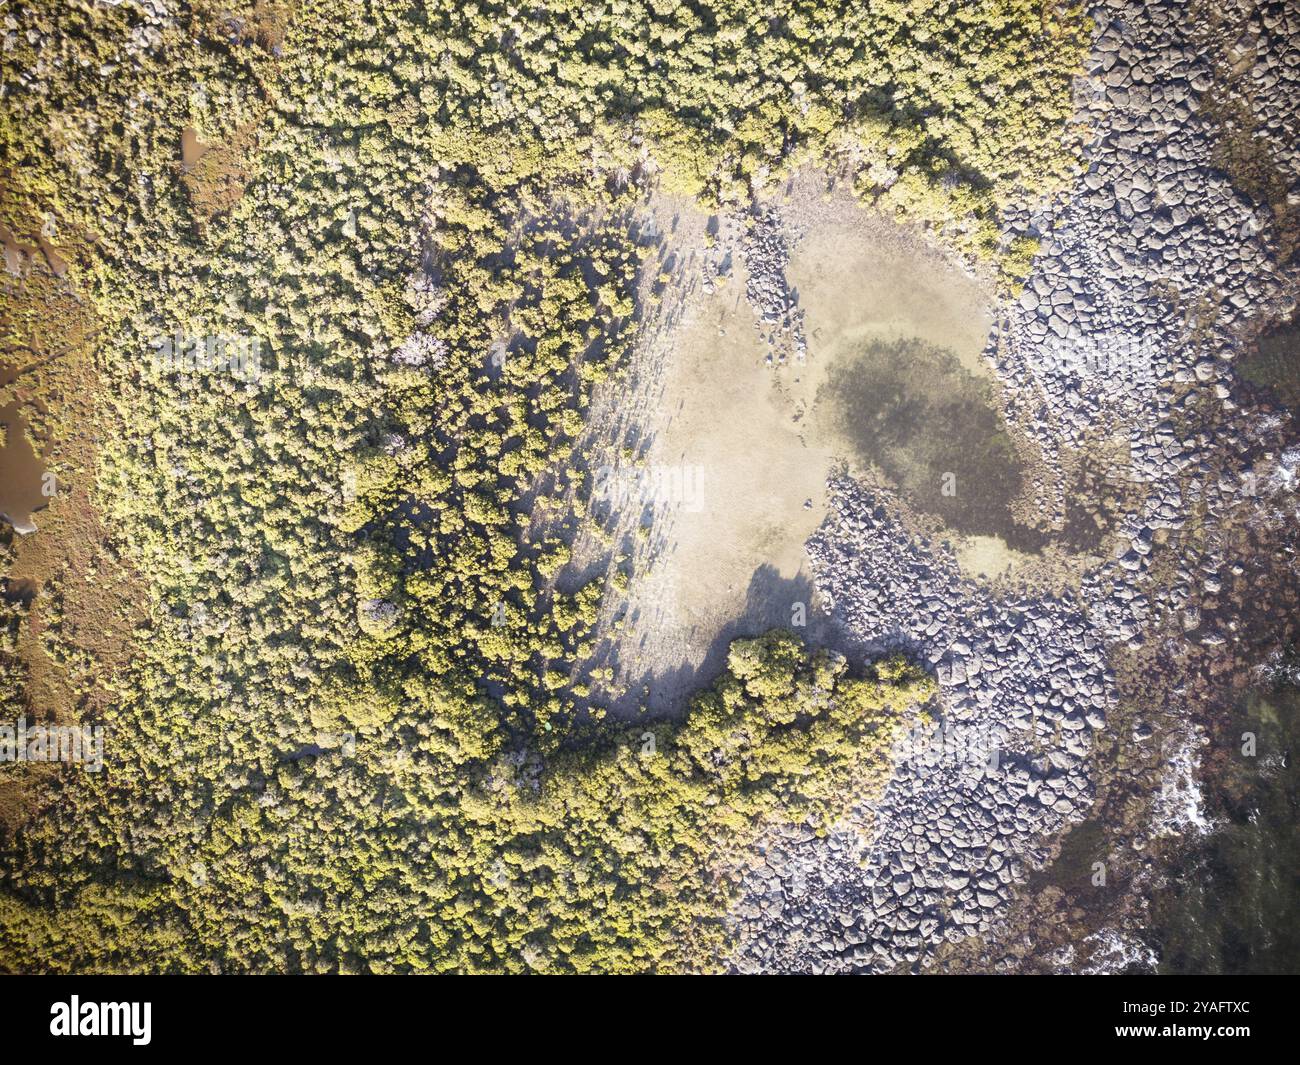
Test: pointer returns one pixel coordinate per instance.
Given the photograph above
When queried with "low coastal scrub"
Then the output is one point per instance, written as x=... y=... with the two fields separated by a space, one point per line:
x=616 y=856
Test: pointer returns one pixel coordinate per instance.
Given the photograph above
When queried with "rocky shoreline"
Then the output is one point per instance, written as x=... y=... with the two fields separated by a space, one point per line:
x=1156 y=273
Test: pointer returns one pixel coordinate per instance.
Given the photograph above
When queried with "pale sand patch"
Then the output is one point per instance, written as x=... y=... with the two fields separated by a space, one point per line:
x=989 y=557
x=731 y=560
x=1053 y=571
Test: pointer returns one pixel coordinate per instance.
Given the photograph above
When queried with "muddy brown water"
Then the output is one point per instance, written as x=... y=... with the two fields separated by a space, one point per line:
x=18 y=256
x=21 y=471
x=192 y=149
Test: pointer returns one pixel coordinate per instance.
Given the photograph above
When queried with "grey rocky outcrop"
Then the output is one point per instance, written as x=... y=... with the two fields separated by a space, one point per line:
x=1154 y=274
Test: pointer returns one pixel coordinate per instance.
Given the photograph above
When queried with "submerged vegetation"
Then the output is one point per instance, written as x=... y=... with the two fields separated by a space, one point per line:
x=886 y=401
x=353 y=732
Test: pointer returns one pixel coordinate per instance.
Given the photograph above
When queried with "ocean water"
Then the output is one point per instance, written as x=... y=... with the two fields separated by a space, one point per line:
x=1232 y=904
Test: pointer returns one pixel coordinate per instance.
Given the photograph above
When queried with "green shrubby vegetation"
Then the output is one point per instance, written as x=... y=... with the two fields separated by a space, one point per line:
x=434 y=243
x=454 y=854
